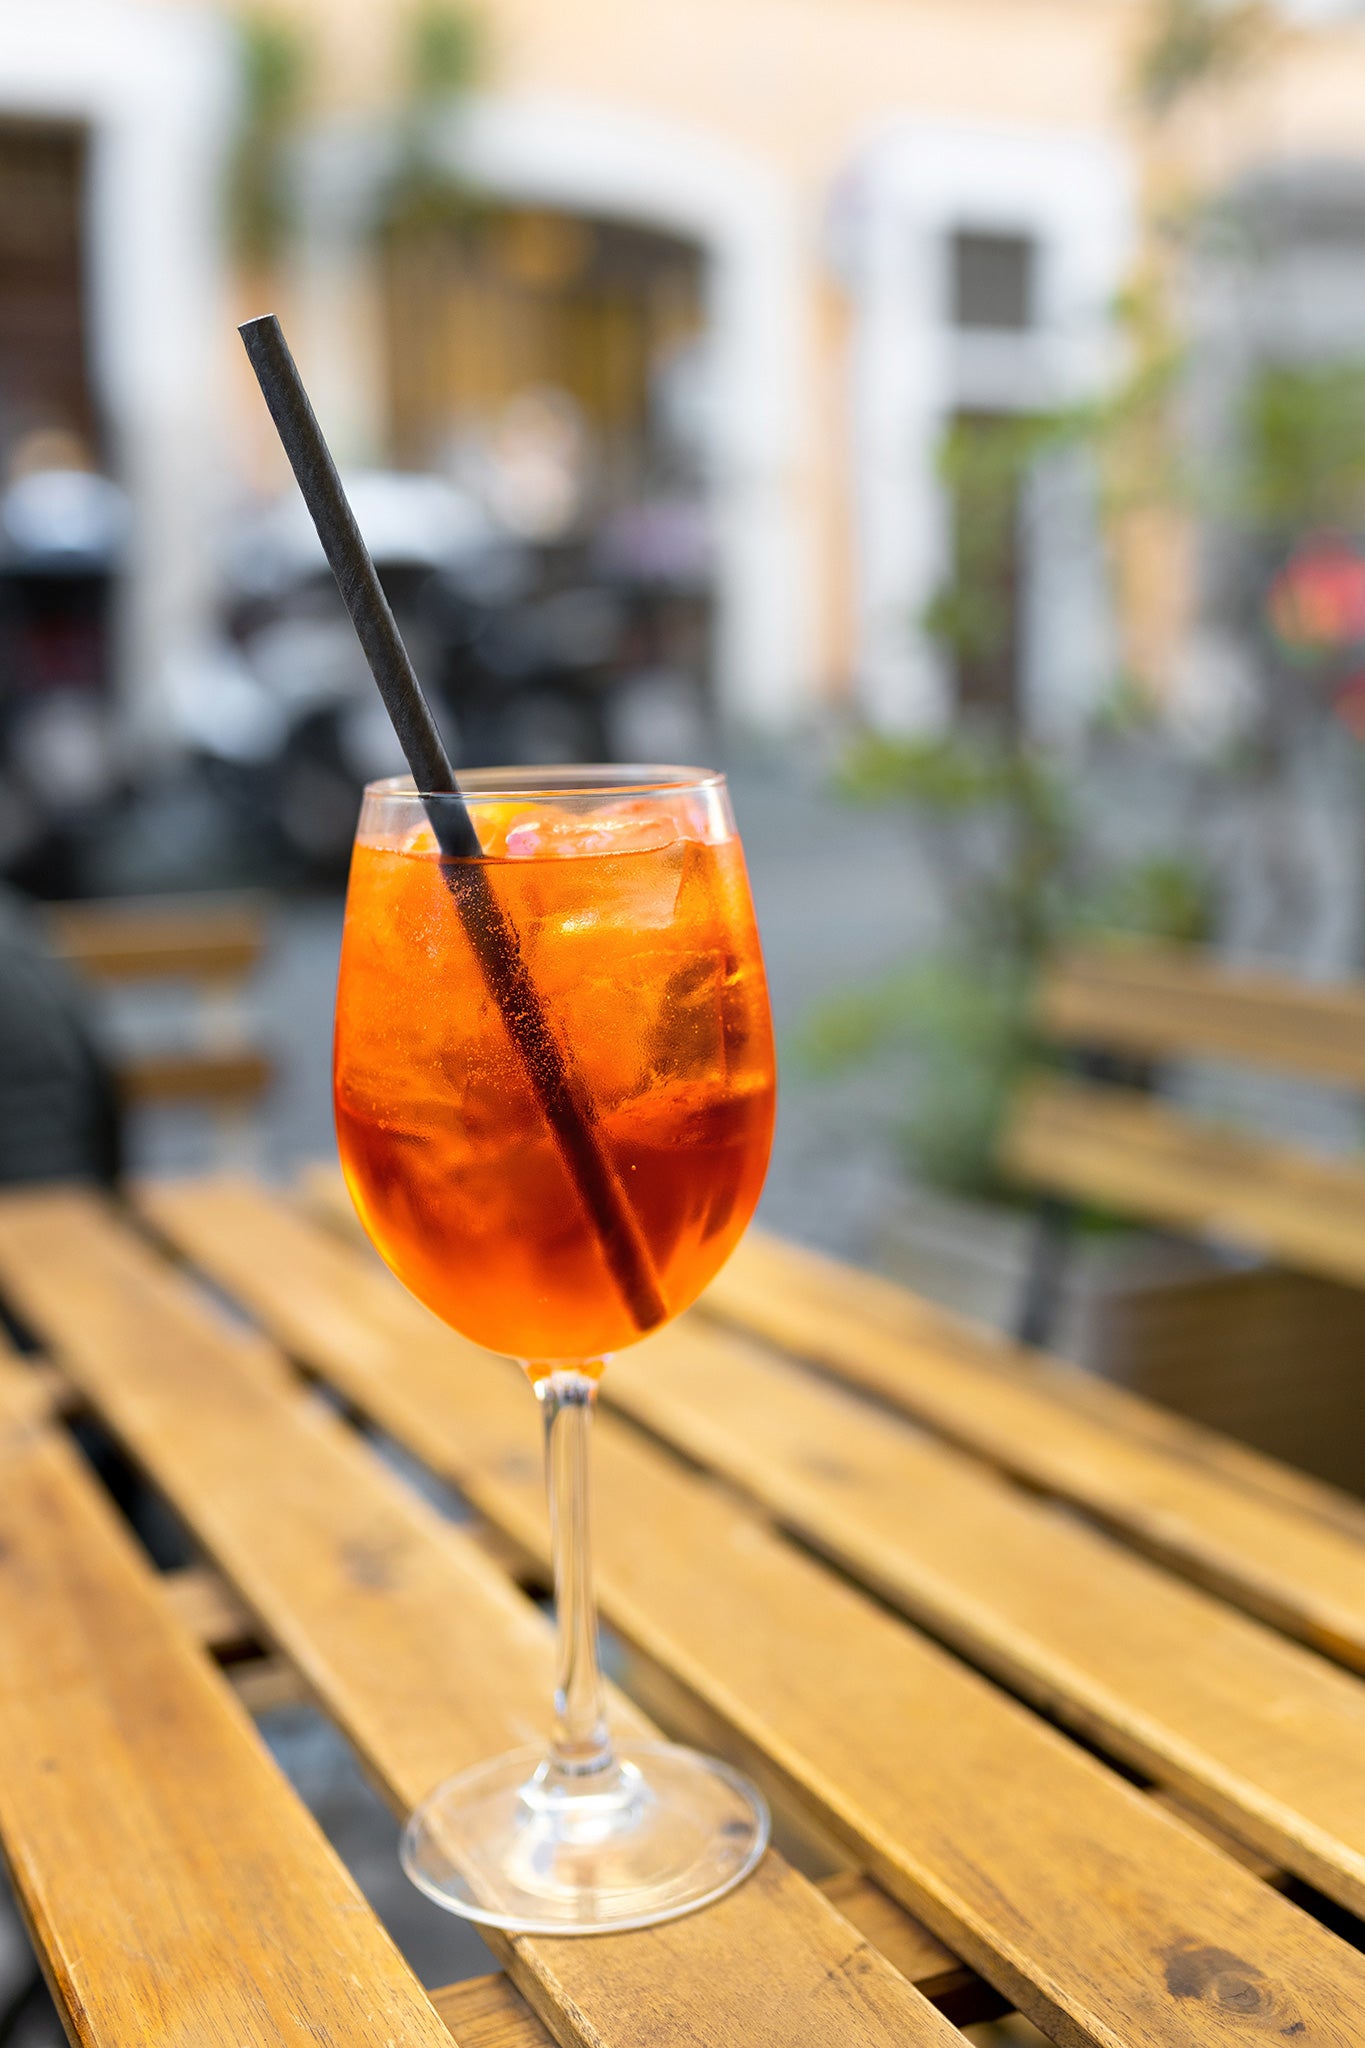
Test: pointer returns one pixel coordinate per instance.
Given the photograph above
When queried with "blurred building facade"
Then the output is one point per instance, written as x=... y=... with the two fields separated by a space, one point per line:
x=115 y=123
x=765 y=253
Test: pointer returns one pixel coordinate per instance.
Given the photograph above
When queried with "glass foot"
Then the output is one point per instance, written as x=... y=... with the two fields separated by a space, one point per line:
x=515 y=1844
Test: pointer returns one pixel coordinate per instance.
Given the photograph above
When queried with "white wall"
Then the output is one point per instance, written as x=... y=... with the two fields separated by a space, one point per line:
x=895 y=210
x=605 y=161
x=154 y=86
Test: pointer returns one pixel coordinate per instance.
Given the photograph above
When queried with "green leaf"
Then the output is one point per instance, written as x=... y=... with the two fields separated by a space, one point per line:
x=844 y=1029
x=444 y=49
x=1193 y=45
x=1160 y=897
x=1302 y=454
x=274 y=60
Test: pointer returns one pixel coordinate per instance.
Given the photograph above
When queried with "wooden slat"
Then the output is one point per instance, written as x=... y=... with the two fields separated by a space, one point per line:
x=1115 y=1146
x=231 y=1075
x=811 y=1847
x=176 y=1888
x=413 y=1640
x=489 y=2012
x=1303 y=1571
x=798 y=1832
x=51 y=1393
x=1167 y=1002
x=1264 y=1867
x=207 y=1608
x=910 y=1946
x=1265 y=1736
x=264 y=1684
x=152 y=939
x=1077 y=1897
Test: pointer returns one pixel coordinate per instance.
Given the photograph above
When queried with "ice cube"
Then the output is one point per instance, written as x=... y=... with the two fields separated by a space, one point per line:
x=620 y=904
x=688 y=1037
x=546 y=834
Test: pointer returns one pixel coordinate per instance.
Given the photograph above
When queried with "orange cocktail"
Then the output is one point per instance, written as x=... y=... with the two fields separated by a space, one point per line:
x=633 y=917
x=554 y=1096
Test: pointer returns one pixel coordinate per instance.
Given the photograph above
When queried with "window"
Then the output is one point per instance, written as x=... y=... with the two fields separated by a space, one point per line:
x=992 y=280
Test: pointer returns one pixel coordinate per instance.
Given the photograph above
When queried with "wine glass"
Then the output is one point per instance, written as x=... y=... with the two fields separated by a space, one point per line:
x=554 y=1099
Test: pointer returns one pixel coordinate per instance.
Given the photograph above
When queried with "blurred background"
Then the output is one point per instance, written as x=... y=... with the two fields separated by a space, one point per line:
x=946 y=415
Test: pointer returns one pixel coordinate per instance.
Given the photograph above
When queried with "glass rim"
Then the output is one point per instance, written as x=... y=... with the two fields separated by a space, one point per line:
x=595 y=778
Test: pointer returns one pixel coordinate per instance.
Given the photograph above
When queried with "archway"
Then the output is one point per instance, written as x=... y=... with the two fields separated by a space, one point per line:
x=611 y=165
x=150 y=92
x=922 y=215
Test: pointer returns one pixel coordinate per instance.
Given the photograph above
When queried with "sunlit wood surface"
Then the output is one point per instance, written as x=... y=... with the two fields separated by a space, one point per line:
x=1063 y=1742
x=1165 y=1002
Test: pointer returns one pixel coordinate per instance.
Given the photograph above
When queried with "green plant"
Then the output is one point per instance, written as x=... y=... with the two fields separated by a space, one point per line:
x=1301 y=449
x=1020 y=877
x=1125 y=441
x=1003 y=824
x=1159 y=896
x=1018 y=870
x=274 y=61
x=443 y=50
x=942 y=773
x=964 y=1031
x=1300 y=454
x=984 y=464
x=443 y=53
x=1192 y=45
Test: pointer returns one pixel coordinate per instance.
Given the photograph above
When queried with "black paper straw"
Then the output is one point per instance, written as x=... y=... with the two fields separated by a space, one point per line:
x=565 y=1101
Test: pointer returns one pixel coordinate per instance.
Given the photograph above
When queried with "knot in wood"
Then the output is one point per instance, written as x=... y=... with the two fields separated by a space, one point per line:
x=1230 y=1983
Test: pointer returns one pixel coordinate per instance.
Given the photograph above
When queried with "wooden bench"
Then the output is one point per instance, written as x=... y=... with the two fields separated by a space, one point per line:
x=207 y=946
x=963 y=1850
x=1272 y=1355
x=1114 y=1145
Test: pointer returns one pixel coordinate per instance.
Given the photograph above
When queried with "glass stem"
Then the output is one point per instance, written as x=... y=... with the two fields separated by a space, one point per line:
x=580 y=1747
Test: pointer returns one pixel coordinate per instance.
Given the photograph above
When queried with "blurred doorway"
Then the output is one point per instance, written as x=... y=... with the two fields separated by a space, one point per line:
x=687 y=204
x=554 y=364
x=983 y=263
x=58 y=516
x=114 y=125
x=482 y=310
x=44 y=368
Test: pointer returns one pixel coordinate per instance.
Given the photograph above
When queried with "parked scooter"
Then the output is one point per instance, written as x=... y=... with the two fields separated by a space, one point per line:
x=281 y=720
x=529 y=652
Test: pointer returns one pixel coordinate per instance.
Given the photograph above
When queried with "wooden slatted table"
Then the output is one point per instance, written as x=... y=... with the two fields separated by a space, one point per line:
x=1060 y=1702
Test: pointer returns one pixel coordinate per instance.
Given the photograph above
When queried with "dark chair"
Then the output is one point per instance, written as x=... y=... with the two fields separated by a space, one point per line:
x=59 y=1104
